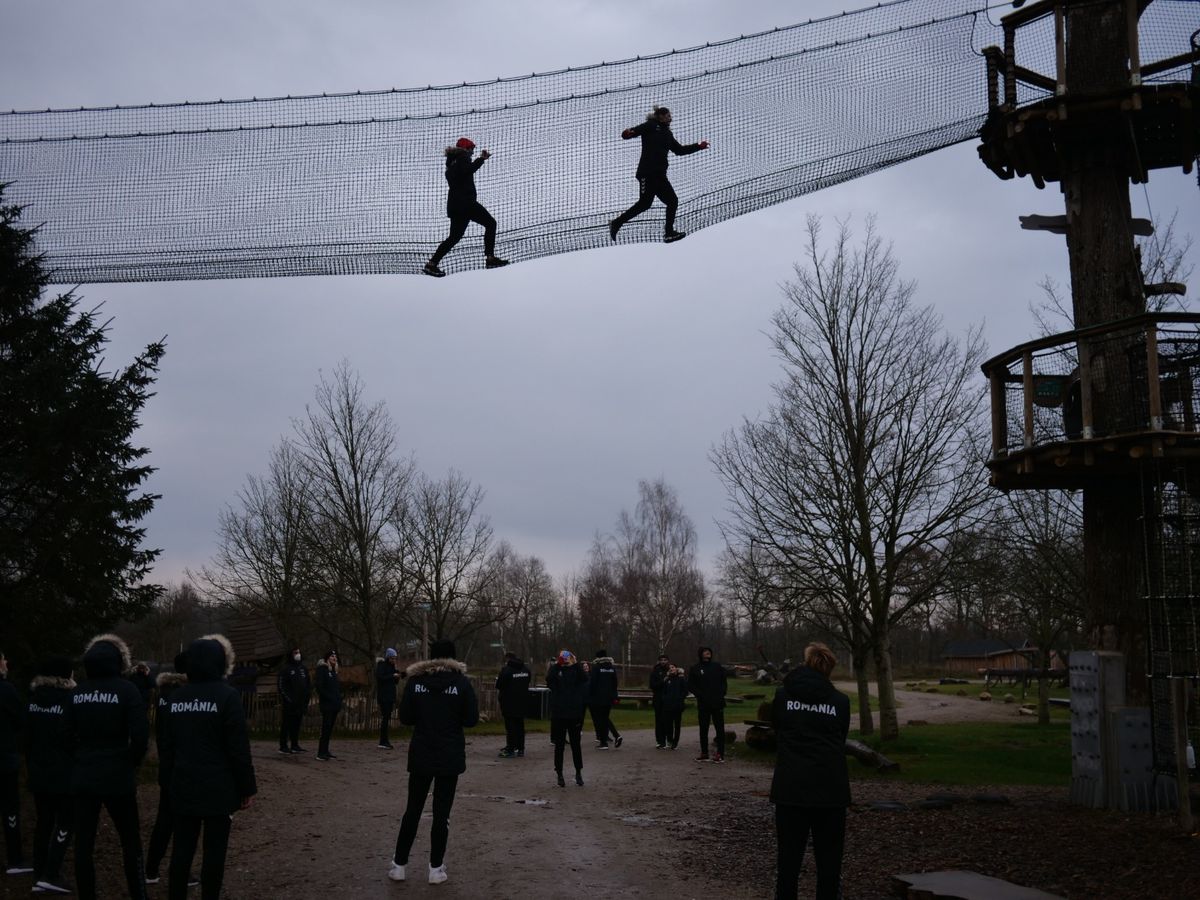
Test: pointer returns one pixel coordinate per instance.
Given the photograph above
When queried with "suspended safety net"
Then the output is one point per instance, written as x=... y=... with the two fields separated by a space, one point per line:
x=354 y=183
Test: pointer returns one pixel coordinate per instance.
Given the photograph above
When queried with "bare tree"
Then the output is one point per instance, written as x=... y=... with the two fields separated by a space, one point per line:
x=869 y=454
x=526 y=604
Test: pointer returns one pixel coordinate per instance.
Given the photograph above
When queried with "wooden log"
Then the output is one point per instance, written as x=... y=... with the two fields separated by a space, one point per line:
x=867 y=756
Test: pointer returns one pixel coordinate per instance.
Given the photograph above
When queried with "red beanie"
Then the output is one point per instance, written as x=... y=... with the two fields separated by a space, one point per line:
x=465 y=144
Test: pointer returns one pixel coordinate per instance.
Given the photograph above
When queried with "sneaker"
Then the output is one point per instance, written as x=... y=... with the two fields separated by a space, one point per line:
x=285 y=751
x=433 y=271
x=53 y=886
x=672 y=236
x=193 y=880
x=151 y=877
x=673 y=746
x=602 y=747
x=613 y=227
x=386 y=746
x=493 y=262
x=396 y=872
x=507 y=754
x=660 y=746
x=299 y=750
x=562 y=782
x=703 y=757
x=437 y=874
x=718 y=758
x=520 y=754
x=324 y=757
x=618 y=740
x=579 y=777
x=18 y=869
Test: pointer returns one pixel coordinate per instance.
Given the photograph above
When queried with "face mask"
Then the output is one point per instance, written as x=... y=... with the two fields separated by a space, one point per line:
x=296 y=657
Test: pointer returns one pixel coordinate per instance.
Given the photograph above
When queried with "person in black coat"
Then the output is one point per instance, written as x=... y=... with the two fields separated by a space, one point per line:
x=512 y=687
x=657 y=141
x=108 y=725
x=49 y=762
x=674 y=692
x=811 y=786
x=160 y=835
x=294 y=693
x=139 y=676
x=438 y=703
x=602 y=695
x=386 y=678
x=463 y=206
x=329 y=697
x=11 y=724
x=661 y=723
x=207 y=748
x=707 y=681
x=568 y=683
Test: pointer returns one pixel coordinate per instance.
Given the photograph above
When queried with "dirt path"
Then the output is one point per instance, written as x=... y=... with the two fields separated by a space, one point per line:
x=941 y=707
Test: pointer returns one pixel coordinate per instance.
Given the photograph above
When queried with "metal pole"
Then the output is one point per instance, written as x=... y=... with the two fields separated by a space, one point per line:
x=1179 y=719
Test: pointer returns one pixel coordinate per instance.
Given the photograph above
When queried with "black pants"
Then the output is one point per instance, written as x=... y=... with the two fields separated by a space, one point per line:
x=444 y=787
x=602 y=722
x=650 y=187
x=514 y=729
x=458 y=227
x=718 y=721
x=160 y=834
x=561 y=731
x=212 y=869
x=327 y=719
x=10 y=808
x=792 y=826
x=123 y=810
x=385 y=717
x=674 y=724
x=289 y=729
x=662 y=725
x=52 y=836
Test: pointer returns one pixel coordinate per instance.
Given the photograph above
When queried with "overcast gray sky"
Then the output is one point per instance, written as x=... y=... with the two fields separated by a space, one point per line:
x=555 y=384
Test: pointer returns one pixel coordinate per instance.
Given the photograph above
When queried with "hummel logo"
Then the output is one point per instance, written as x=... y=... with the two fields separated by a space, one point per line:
x=62 y=836
x=11 y=821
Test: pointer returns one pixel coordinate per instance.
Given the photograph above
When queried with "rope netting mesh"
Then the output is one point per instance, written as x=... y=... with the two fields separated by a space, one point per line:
x=353 y=183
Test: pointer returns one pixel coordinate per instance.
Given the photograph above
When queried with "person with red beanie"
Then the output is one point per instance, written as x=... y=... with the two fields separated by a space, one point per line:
x=463 y=206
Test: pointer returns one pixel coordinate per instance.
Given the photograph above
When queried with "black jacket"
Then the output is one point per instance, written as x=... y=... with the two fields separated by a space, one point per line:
x=460 y=175
x=167 y=683
x=206 y=743
x=438 y=702
x=329 y=689
x=657 y=676
x=513 y=687
x=602 y=685
x=811 y=719
x=568 y=692
x=107 y=721
x=674 y=692
x=657 y=141
x=48 y=752
x=385 y=682
x=294 y=687
x=10 y=727
x=708 y=682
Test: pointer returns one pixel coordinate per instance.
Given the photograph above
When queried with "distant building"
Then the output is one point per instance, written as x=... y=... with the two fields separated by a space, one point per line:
x=971 y=657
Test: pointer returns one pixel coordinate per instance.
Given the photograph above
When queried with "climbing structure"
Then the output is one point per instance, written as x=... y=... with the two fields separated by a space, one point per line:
x=352 y=183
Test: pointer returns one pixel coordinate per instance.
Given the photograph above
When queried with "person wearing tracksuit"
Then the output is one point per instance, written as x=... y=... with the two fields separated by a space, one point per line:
x=602 y=694
x=386 y=678
x=160 y=835
x=438 y=702
x=512 y=687
x=108 y=726
x=674 y=692
x=707 y=681
x=49 y=761
x=463 y=206
x=811 y=785
x=329 y=697
x=651 y=174
x=568 y=683
x=212 y=776
x=11 y=723
x=661 y=723
x=294 y=693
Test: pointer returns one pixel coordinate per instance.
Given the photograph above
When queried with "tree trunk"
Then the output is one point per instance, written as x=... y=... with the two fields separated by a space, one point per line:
x=1043 y=704
x=889 y=723
x=866 y=720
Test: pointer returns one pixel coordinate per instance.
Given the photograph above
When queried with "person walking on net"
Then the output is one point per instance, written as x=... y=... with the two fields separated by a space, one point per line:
x=657 y=142
x=811 y=786
x=463 y=206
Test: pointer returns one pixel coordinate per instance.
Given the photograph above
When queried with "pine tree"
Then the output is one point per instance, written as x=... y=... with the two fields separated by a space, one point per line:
x=71 y=555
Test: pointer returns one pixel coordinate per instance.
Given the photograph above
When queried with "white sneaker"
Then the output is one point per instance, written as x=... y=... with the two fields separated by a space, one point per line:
x=396 y=872
x=438 y=875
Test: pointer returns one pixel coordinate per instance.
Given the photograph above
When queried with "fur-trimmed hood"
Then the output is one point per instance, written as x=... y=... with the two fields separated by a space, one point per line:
x=324 y=663
x=430 y=666
x=601 y=660
x=170 y=680
x=106 y=655
x=53 y=681
x=210 y=658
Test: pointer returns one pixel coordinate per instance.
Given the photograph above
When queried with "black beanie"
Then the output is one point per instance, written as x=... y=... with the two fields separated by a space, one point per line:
x=442 y=649
x=181 y=660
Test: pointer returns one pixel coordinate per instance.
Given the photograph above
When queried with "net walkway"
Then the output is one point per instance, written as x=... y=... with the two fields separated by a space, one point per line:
x=353 y=183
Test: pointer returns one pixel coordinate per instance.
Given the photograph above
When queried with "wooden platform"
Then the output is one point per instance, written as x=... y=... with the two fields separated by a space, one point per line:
x=962 y=885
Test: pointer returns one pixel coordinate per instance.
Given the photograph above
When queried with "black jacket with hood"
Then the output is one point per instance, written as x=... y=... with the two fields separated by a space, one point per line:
x=10 y=727
x=167 y=683
x=49 y=755
x=206 y=743
x=657 y=676
x=294 y=687
x=707 y=681
x=460 y=176
x=385 y=682
x=329 y=689
x=438 y=703
x=674 y=691
x=811 y=719
x=107 y=721
x=602 y=683
x=568 y=692
x=512 y=685
x=657 y=141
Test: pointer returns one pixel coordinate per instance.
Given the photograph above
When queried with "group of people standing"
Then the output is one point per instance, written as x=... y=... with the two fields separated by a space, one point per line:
x=83 y=745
